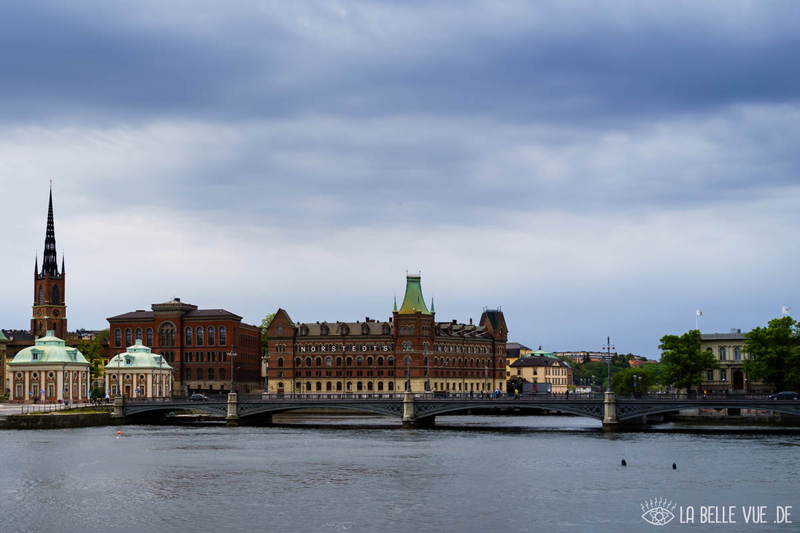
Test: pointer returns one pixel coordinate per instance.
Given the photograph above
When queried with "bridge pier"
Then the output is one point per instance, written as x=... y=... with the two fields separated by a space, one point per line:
x=119 y=404
x=610 y=420
x=410 y=420
x=233 y=410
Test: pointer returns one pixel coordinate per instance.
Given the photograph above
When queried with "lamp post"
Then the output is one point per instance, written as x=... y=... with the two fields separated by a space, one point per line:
x=634 y=385
x=266 y=372
x=608 y=347
x=232 y=355
x=372 y=369
x=446 y=373
x=119 y=378
x=486 y=377
x=160 y=375
x=427 y=370
x=408 y=373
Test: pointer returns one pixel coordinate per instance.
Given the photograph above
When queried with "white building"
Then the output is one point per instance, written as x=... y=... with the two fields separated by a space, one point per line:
x=142 y=373
x=49 y=372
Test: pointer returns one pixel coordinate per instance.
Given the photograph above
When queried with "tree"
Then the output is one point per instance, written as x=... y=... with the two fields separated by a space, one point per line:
x=775 y=353
x=623 y=381
x=683 y=359
x=91 y=350
x=264 y=325
x=514 y=383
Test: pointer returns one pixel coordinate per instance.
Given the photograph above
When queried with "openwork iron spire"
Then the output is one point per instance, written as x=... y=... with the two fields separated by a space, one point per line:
x=50 y=260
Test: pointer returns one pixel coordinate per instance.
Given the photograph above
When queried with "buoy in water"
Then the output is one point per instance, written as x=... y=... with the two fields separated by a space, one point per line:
x=119 y=433
x=624 y=463
x=674 y=466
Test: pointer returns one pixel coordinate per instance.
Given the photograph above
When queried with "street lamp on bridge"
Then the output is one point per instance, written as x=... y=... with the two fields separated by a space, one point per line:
x=232 y=355
x=608 y=347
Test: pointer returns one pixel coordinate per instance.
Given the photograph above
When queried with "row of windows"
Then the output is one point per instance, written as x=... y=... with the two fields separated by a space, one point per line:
x=55 y=297
x=206 y=357
x=359 y=361
x=200 y=374
x=723 y=354
x=380 y=386
x=198 y=335
x=344 y=329
x=461 y=348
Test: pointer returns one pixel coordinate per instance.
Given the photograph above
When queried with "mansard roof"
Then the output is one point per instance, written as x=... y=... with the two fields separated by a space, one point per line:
x=337 y=328
x=413 y=300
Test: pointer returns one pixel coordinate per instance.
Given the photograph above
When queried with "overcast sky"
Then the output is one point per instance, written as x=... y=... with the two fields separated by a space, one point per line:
x=593 y=169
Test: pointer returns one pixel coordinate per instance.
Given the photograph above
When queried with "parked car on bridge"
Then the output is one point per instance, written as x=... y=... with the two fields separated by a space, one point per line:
x=785 y=395
x=198 y=398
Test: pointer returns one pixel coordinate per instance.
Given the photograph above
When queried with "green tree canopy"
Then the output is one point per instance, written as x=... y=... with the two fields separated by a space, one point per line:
x=684 y=361
x=91 y=350
x=775 y=353
x=264 y=325
x=622 y=381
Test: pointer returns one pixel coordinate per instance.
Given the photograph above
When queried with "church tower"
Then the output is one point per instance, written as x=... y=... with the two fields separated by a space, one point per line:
x=49 y=307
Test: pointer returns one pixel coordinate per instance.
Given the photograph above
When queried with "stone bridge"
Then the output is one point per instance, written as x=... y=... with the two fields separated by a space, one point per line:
x=421 y=409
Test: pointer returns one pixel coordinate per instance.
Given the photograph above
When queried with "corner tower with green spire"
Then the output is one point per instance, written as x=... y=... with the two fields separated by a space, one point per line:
x=414 y=329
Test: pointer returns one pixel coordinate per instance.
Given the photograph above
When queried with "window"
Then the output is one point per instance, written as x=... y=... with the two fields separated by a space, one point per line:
x=328 y=361
x=188 y=340
x=298 y=361
x=365 y=329
x=737 y=354
x=222 y=374
x=188 y=374
x=212 y=334
x=199 y=373
x=118 y=338
x=308 y=361
x=149 y=341
x=166 y=334
x=318 y=361
x=223 y=335
x=359 y=361
x=391 y=361
x=280 y=330
x=210 y=374
x=391 y=386
x=200 y=340
x=722 y=354
x=280 y=361
x=723 y=375
x=138 y=336
x=128 y=337
x=55 y=300
x=41 y=294
x=710 y=375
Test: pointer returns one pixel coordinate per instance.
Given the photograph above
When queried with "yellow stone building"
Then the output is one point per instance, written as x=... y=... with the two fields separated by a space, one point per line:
x=514 y=351
x=543 y=369
x=728 y=348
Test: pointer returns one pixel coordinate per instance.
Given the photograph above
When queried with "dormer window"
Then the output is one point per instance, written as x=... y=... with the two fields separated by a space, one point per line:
x=365 y=329
x=385 y=329
x=35 y=356
x=324 y=330
x=127 y=360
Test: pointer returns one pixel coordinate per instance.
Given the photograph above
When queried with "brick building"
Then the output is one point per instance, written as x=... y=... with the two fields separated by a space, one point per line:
x=375 y=356
x=197 y=343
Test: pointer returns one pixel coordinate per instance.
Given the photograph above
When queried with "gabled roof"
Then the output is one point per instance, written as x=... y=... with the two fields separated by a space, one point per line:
x=536 y=360
x=722 y=336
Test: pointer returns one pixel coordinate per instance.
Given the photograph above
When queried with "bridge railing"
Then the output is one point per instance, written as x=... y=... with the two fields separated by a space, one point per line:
x=694 y=396
x=436 y=395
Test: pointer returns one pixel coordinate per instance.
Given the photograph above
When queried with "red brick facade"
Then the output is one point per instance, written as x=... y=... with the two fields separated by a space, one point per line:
x=196 y=343
x=370 y=356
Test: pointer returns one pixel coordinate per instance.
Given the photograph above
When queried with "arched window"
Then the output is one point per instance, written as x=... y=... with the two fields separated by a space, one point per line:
x=200 y=337
x=308 y=361
x=319 y=386
x=412 y=330
x=280 y=330
x=380 y=361
x=188 y=340
x=223 y=335
x=41 y=294
x=329 y=361
x=138 y=336
x=359 y=361
x=280 y=361
x=365 y=329
x=339 y=386
x=369 y=385
x=380 y=385
x=210 y=374
x=318 y=361
x=56 y=299
x=391 y=386
x=359 y=386
x=298 y=361
x=338 y=361
x=212 y=337
x=722 y=354
x=118 y=338
x=308 y=386
x=149 y=341
x=128 y=337
x=222 y=374
x=391 y=361
x=369 y=361
x=166 y=334
x=199 y=373
x=385 y=329
x=349 y=361
x=329 y=386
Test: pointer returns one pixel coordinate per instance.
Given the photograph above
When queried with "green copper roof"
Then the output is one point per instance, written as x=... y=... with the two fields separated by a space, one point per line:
x=413 y=300
x=137 y=356
x=541 y=353
x=48 y=350
x=3 y=337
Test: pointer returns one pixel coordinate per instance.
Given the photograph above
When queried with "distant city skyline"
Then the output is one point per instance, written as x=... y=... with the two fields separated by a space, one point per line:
x=593 y=173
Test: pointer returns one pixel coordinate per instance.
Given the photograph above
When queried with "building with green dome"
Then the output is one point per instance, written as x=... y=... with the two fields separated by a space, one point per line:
x=141 y=373
x=49 y=371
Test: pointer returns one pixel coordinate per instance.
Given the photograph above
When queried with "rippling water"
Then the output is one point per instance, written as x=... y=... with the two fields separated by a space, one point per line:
x=470 y=474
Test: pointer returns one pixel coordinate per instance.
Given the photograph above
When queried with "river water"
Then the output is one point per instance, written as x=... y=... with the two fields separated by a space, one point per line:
x=481 y=474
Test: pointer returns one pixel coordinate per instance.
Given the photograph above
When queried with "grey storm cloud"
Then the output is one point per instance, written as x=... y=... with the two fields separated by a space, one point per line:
x=543 y=62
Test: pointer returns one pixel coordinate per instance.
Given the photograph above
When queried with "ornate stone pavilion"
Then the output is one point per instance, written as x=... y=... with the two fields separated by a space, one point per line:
x=49 y=371
x=142 y=373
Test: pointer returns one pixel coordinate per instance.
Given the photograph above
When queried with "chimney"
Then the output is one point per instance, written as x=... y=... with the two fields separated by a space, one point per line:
x=470 y=321
x=366 y=319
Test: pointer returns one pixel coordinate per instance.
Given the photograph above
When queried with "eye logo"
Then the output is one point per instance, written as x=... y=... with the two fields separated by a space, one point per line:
x=658 y=512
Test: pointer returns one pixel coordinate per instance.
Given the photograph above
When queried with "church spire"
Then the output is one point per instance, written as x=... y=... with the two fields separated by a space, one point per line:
x=50 y=259
x=36 y=265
